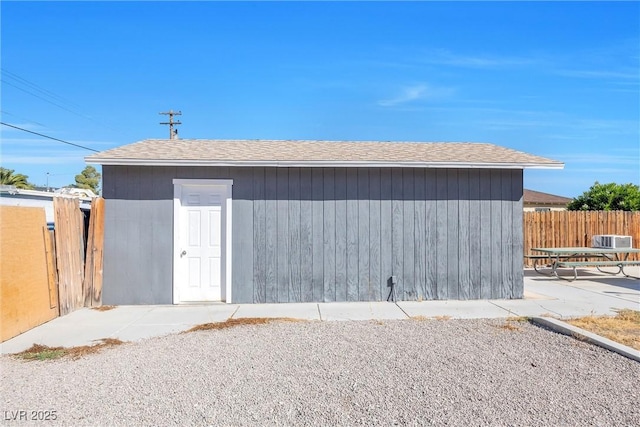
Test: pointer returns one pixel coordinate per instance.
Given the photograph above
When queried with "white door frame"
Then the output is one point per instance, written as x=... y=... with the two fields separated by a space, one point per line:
x=225 y=186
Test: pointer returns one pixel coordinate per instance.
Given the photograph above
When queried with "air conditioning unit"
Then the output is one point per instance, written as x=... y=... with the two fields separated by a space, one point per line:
x=611 y=241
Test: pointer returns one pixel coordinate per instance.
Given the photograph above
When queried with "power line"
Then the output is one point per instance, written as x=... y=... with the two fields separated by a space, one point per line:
x=50 y=137
x=46 y=100
x=71 y=105
x=23 y=118
x=40 y=89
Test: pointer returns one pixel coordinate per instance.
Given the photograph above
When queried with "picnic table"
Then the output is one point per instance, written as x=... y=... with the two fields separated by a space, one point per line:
x=591 y=257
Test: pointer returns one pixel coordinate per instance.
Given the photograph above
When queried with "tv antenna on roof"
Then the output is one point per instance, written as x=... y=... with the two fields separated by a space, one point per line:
x=173 y=133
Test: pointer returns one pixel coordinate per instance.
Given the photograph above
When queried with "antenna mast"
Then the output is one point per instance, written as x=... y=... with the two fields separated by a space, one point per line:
x=173 y=133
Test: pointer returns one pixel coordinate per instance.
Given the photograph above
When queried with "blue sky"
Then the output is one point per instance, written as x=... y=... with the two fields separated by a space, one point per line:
x=555 y=79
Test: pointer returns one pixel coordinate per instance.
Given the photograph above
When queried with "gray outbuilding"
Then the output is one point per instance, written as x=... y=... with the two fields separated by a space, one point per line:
x=256 y=221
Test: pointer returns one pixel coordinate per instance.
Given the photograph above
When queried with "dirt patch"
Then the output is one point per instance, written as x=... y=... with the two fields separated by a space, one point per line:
x=512 y=323
x=241 y=321
x=104 y=308
x=521 y=319
x=43 y=352
x=623 y=328
x=508 y=326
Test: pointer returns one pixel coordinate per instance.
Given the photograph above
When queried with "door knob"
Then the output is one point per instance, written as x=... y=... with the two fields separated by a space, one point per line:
x=183 y=253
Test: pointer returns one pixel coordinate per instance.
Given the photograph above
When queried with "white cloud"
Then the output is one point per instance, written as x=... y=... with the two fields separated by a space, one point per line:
x=573 y=128
x=611 y=64
x=415 y=93
x=445 y=57
x=600 y=74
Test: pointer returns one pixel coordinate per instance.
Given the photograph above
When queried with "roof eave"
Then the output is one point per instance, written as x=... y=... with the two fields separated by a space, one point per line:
x=317 y=163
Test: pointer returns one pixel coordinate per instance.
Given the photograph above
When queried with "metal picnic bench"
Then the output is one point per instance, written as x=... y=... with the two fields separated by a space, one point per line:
x=566 y=258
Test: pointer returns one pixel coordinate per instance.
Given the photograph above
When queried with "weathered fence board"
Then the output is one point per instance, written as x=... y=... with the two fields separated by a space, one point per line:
x=92 y=286
x=575 y=228
x=87 y=282
x=69 y=236
x=51 y=267
x=98 y=245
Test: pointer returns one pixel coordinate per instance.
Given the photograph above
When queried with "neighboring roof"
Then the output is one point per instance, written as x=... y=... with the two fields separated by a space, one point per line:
x=12 y=196
x=81 y=192
x=540 y=198
x=203 y=152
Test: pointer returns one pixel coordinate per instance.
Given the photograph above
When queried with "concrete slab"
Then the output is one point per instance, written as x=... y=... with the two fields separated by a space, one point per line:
x=168 y=319
x=308 y=311
x=188 y=315
x=614 y=287
x=58 y=335
x=612 y=291
x=592 y=293
x=137 y=332
x=529 y=295
x=454 y=309
x=360 y=311
x=119 y=314
x=127 y=323
x=564 y=308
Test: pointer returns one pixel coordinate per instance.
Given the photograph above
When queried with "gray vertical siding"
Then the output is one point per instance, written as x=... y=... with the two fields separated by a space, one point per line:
x=295 y=262
x=327 y=234
x=259 y=237
x=341 y=233
x=386 y=240
x=138 y=254
x=375 y=278
x=243 y=235
x=419 y=226
x=271 y=236
x=306 y=237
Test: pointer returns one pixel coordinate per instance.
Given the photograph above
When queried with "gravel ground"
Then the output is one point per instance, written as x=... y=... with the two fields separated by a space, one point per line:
x=405 y=372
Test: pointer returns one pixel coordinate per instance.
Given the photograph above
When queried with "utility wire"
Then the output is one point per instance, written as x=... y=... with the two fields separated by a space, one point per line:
x=50 y=137
x=30 y=85
x=40 y=89
x=46 y=100
x=23 y=118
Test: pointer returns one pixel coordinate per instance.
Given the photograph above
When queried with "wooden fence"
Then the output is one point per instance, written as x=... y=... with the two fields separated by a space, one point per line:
x=92 y=284
x=79 y=267
x=575 y=228
x=45 y=273
x=69 y=236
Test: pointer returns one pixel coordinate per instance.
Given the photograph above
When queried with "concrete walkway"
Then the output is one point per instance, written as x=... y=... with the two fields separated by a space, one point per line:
x=593 y=293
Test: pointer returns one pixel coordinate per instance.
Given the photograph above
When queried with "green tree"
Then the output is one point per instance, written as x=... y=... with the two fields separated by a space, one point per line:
x=18 y=180
x=89 y=178
x=608 y=197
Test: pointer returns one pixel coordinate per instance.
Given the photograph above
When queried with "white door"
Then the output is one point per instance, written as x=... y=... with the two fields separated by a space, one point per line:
x=200 y=244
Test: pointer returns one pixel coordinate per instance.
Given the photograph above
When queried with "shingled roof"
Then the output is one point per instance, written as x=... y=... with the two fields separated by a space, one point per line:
x=208 y=152
x=539 y=198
